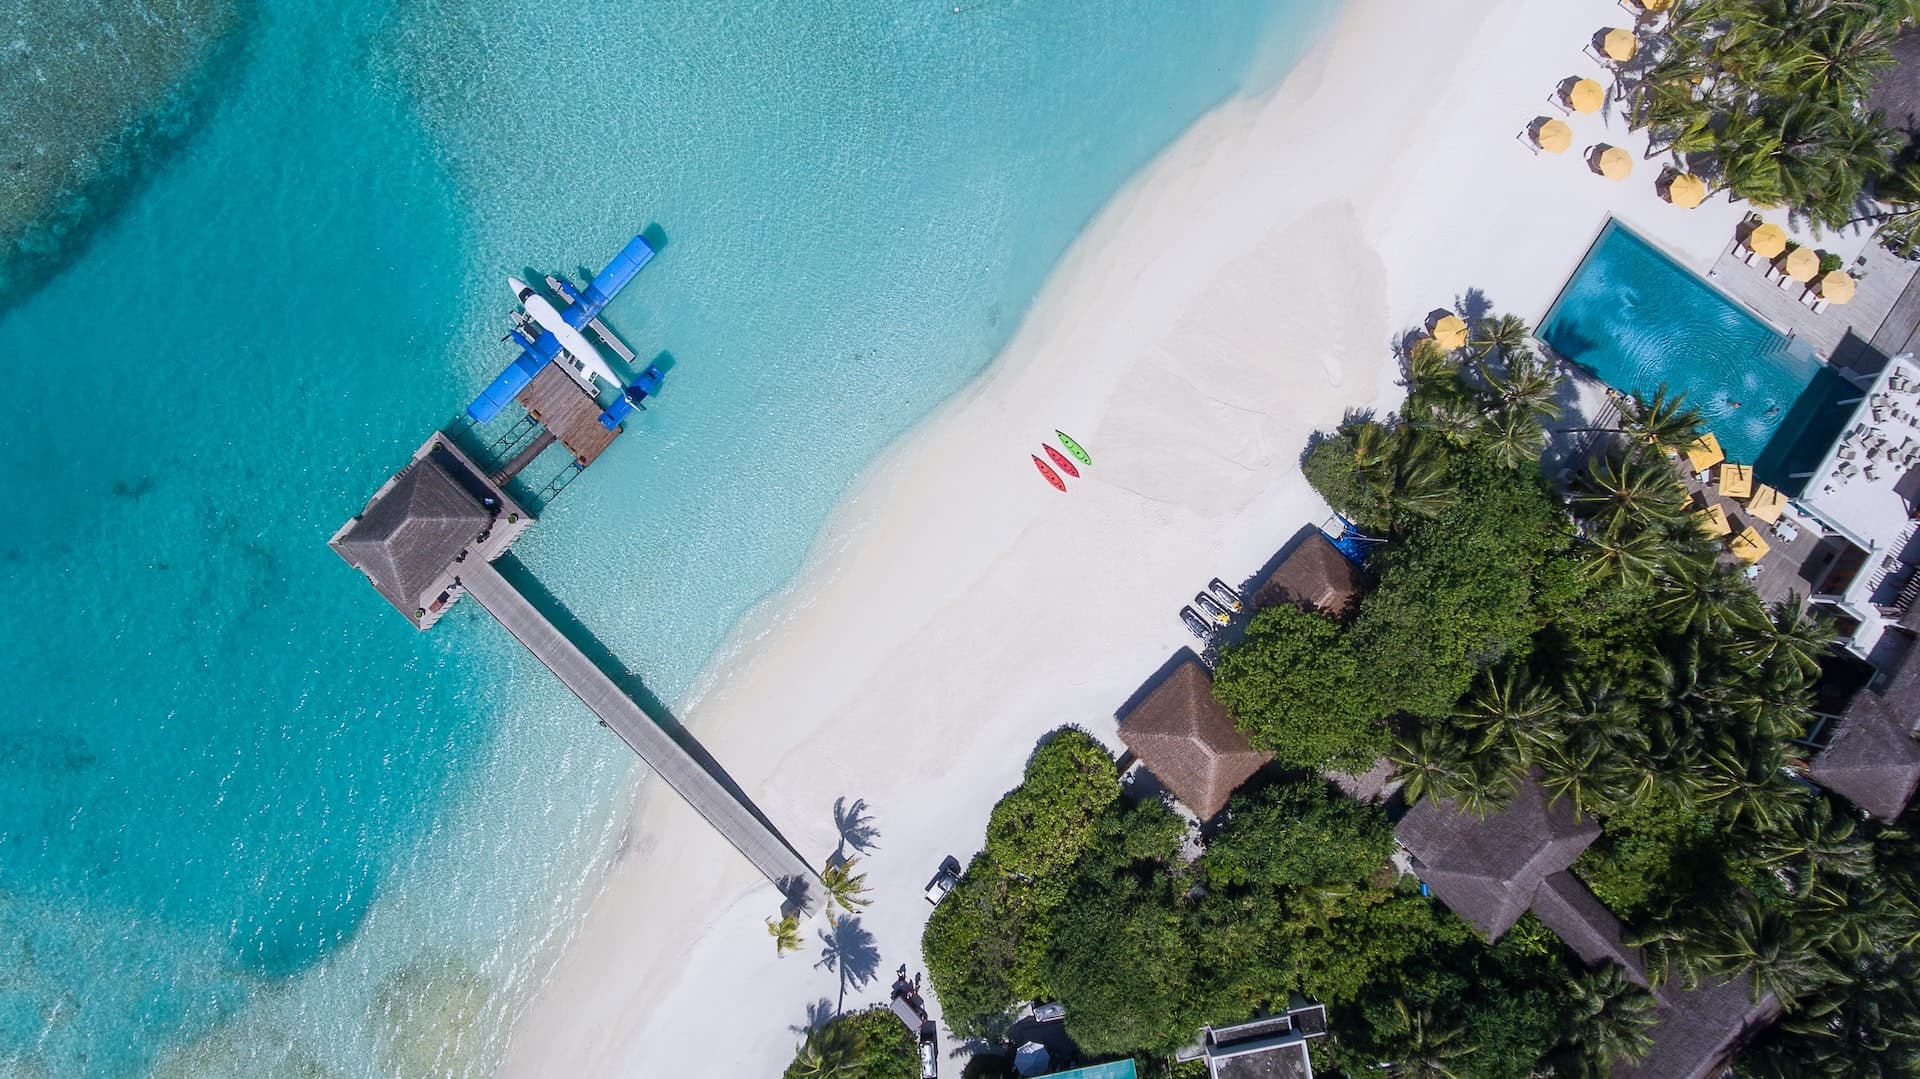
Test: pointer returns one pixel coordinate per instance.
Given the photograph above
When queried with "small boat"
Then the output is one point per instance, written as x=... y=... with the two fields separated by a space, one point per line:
x=1052 y=476
x=1196 y=623
x=1227 y=595
x=1073 y=448
x=1212 y=607
x=1060 y=462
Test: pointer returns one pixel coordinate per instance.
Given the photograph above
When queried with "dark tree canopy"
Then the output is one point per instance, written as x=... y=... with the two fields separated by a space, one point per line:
x=1292 y=685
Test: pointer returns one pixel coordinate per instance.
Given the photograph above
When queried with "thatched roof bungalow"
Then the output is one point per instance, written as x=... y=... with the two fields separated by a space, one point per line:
x=1185 y=737
x=1486 y=869
x=1315 y=576
x=1873 y=760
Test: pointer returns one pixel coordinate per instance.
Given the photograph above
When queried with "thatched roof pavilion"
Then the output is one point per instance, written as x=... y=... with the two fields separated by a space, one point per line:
x=1314 y=577
x=1486 y=869
x=418 y=527
x=1873 y=760
x=1185 y=737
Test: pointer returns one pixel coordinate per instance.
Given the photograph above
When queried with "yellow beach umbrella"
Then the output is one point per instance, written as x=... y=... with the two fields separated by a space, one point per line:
x=1766 y=504
x=1615 y=163
x=1554 y=136
x=1450 y=333
x=1736 y=481
x=1768 y=240
x=1656 y=5
x=1802 y=263
x=1586 y=96
x=1686 y=191
x=1705 y=452
x=1748 y=547
x=1620 y=45
x=1836 y=287
x=1713 y=521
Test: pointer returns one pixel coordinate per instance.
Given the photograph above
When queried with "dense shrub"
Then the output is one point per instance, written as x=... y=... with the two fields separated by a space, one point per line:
x=1291 y=684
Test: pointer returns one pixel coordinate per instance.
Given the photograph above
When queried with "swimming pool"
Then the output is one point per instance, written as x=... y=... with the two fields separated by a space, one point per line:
x=1636 y=319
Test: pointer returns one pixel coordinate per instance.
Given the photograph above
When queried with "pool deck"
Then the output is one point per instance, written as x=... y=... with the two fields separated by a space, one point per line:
x=1883 y=280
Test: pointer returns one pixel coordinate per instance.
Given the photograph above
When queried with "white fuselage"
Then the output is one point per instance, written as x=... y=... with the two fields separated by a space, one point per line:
x=548 y=316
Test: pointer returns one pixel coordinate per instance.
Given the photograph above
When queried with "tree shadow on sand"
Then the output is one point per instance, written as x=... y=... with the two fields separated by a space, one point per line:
x=855 y=826
x=819 y=1014
x=847 y=949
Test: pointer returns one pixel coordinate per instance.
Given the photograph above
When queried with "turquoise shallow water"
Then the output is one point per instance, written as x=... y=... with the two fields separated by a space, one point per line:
x=251 y=823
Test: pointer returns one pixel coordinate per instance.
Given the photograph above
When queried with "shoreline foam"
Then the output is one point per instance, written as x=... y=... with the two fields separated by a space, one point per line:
x=1242 y=291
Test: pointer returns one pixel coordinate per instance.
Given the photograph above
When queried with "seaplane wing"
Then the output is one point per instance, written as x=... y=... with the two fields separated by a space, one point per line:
x=608 y=283
x=535 y=353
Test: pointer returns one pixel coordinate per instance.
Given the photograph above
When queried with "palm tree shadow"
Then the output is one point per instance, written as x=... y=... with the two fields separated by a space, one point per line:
x=819 y=1013
x=847 y=949
x=856 y=828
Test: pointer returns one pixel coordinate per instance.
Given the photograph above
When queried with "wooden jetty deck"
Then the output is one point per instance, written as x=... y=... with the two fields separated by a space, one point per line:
x=556 y=400
x=762 y=846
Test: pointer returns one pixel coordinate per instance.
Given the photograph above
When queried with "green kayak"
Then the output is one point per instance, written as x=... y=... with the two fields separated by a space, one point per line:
x=1074 y=448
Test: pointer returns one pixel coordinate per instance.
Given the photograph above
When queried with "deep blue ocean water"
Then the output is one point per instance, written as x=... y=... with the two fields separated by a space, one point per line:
x=252 y=823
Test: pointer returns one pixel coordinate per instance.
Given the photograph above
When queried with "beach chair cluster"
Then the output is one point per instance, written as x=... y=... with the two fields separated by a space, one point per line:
x=1757 y=504
x=1789 y=266
x=1869 y=452
x=1613 y=49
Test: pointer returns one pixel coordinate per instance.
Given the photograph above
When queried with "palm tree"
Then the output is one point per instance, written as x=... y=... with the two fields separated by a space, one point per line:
x=1508 y=708
x=1666 y=423
x=1631 y=557
x=1793 y=642
x=1417 y=483
x=1433 y=1047
x=1499 y=336
x=1706 y=599
x=829 y=1050
x=1817 y=843
x=1525 y=384
x=1515 y=437
x=1629 y=490
x=845 y=888
x=1748 y=936
x=1609 y=1020
x=1745 y=783
x=1431 y=762
x=785 y=933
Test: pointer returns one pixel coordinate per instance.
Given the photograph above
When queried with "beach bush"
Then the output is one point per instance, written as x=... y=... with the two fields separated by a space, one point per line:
x=1456 y=594
x=870 y=1044
x=1292 y=684
x=1330 y=466
x=986 y=944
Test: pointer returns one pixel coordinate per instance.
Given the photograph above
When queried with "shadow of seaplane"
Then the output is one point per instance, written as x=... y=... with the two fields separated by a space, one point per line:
x=548 y=334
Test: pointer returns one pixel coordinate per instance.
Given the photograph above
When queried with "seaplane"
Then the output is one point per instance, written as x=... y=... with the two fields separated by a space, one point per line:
x=547 y=333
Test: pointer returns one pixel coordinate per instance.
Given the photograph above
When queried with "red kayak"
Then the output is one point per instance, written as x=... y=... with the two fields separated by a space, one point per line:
x=1052 y=476
x=1060 y=461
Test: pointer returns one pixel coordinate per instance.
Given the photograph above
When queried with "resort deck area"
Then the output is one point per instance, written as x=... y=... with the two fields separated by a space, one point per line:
x=1883 y=277
x=553 y=398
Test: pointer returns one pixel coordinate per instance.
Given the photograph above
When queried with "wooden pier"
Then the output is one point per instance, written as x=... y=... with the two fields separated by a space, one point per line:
x=752 y=837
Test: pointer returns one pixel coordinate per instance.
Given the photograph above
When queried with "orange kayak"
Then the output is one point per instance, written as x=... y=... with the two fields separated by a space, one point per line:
x=1052 y=476
x=1060 y=461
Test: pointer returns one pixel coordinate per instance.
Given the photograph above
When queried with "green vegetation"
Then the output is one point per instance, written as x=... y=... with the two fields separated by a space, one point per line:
x=1294 y=685
x=1592 y=640
x=871 y=1044
x=1767 y=99
x=1293 y=895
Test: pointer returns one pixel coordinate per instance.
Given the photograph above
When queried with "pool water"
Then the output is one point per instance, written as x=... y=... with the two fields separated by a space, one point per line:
x=1638 y=320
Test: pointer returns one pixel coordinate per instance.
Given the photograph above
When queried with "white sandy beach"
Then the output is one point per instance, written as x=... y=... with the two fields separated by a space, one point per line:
x=1240 y=293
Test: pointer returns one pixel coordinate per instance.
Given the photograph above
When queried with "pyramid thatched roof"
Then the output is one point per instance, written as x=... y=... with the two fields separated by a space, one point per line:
x=1185 y=737
x=411 y=533
x=1486 y=869
x=1316 y=576
x=1873 y=760
x=1699 y=1028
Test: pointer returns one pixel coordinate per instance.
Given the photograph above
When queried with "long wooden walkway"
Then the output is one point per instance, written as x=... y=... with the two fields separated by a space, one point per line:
x=762 y=846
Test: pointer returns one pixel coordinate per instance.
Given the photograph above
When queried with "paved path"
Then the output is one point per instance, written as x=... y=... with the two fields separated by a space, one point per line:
x=762 y=846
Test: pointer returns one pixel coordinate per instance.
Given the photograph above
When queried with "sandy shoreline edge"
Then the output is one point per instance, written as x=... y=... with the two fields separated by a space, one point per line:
x=1240 y=292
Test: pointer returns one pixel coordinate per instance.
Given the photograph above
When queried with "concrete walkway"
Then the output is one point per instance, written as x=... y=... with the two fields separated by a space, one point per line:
x=753 y=838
